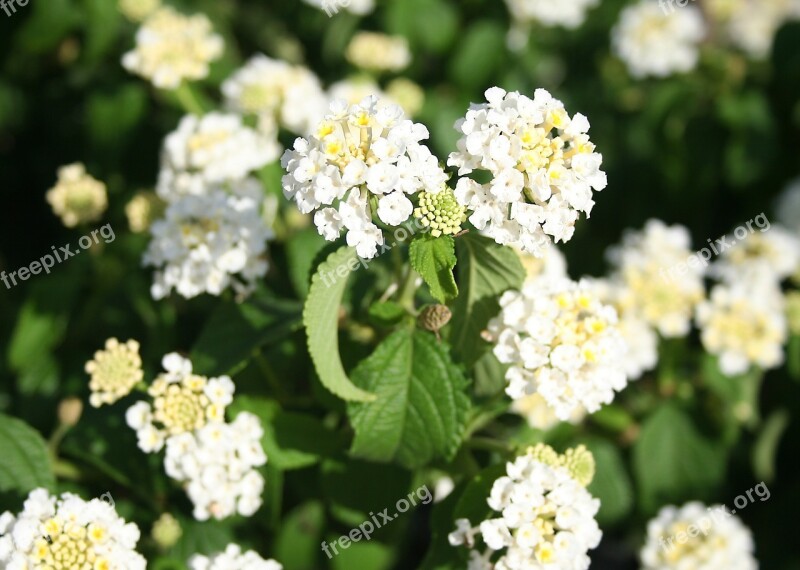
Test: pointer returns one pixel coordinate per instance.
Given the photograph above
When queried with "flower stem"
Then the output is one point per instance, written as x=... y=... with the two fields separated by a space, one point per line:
x=188 y=99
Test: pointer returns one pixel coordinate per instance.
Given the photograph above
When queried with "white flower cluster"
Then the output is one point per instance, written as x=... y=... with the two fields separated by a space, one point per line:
x=214 y=460
x=217 y=464
x=751 y=25
x=744 y=324
x=276 y=92
x=773 y=254
x=331 y=7
x=566 y=13
x=182 y=402
x=720 y=540
x=361 y=161
x=546 y=523
x=211 y=149
x=653 y=43
x=562 y=343
x=640 y=338
x=171 y=48
x=374 y=51
x=542 y=163
x=208 y=242
x=212 y=235
x=67 y=533
x=645 y=263
x=233 y=559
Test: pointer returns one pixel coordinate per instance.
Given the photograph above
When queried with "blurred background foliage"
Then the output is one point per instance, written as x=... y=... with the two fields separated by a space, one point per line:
x=709 y=150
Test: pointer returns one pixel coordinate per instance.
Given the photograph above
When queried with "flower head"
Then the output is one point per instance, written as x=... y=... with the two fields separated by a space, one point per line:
x=276 y=92
x=656 y=282
x=774 y=253
x=181 y=402
x=543 y=167
x=363 y=161
x=171 y=48
x=546 y=515
x=744 y=324
x=68 y=533
x=217 y=464
x=166 y=531
x=374 y=51
x=697 y=537
x=114 y=372
x=77 y=198
x=652 y=42
x=233 y=559
x=213 y=149
x=562 y=343
x=142 y=210
x=208 y=242
x=440 y=212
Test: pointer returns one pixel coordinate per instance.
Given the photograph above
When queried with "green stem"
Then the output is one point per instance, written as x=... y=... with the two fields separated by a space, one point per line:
x=408 y=290
x=188 y=99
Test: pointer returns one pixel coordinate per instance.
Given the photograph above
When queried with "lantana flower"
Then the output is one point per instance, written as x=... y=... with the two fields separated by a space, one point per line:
x=362 y=165
x=542 y=165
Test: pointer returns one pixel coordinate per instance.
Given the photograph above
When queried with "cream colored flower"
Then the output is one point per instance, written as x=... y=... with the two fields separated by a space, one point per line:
x=409 y=95
x=77 y=197
x=171 y=48
x=138 y=10
x=143 y=209
x=372 y=51
x=182 y=402
x=114 y=372
x=166 y=531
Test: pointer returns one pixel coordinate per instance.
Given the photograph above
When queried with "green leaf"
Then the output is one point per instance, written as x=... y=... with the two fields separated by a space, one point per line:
x=490 y=375
x=26 y=462
x=765 y=449
x=301 y=250
x=36 y=333
x=485 y=271
x=386 y=313
x=297 y=545
x=480 y=52
x=235 y=330
x=321 y=319
x=102 y=27
x=434 y=259
x=207 y=537
x=673 y=462
x=427 y=24
x=291 y=440
x=611 y=483
x=793 y=357
x=421 y=408
x=364 y=556
x=355 y=488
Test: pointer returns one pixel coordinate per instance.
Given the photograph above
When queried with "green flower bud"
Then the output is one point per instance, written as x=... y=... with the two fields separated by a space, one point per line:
x=441 y=212
x=580 y=463
x=166 y=531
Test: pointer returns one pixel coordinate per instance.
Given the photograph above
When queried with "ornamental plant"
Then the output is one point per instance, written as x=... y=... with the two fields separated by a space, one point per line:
x=399 y=284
